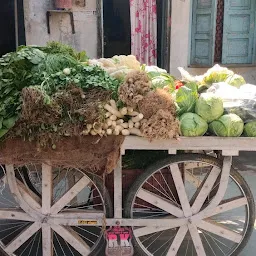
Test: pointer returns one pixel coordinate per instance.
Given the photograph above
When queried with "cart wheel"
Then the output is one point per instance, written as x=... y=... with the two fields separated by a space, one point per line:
x=192 y=181
x=51 y=211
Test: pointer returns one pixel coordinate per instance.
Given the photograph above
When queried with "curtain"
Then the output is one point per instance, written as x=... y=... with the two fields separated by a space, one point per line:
x=144 y=30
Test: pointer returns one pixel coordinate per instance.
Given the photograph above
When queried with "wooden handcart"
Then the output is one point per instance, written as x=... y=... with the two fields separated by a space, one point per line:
x=188 y=204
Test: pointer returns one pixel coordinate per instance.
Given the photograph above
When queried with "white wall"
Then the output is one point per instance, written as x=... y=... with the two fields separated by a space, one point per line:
x=180 y=43
x=85 y=37
x=180 y=35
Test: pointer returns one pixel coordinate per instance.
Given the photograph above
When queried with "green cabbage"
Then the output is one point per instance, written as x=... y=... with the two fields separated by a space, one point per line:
x=250 y=129
x=229 y=125
x=186 y=98
x=162 y=81
x=235 y=80
x=216 y=74
x=209 y=107
x=192 y=125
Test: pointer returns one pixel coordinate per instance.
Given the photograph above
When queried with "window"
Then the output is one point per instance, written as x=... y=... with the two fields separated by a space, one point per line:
x=223 y=31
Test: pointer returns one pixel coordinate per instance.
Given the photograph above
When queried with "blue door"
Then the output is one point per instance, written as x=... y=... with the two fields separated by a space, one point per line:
x=238 y=31
x=203 y=32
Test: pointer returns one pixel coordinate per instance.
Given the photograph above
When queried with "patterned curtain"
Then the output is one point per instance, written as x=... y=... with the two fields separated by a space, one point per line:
x=144 y=30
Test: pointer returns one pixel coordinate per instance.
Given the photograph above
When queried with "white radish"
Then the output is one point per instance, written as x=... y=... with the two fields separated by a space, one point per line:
x=105 y=126
x=113 y=118
x=130 y=123
x=125 y=132
x=89 y=126
x=130 y=109
x=97 y=126
x=116 y=132
x=125 y=125
x=113 y=104
x=113 y=124
x=108 y=114
x=85 y=132
x=99 y=131
x=134 y=113
x=137 y=125
x=113 y=111
x=120 y=121
x=109 y=131
x=123 y=111
x=109 y=122
x=93 y=133
x=135 y=131
x=119 y=127
x=137 y=118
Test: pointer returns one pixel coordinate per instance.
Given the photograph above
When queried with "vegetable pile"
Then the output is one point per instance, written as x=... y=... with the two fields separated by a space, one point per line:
x=51 y=92
x=222 y=107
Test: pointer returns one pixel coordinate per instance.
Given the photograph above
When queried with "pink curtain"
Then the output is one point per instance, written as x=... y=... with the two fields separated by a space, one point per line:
x=144 y=30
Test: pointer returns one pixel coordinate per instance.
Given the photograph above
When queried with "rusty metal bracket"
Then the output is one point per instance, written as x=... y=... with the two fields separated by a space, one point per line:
x=49 y=13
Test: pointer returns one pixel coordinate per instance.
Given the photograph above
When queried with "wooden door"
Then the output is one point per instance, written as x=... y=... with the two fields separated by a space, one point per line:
x=203 y=32
x=238 y=31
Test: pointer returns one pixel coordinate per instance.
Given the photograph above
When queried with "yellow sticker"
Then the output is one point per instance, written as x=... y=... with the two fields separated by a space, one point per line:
x=87 y=222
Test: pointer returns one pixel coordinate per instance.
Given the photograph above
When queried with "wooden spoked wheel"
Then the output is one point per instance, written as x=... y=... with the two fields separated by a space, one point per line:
x=186 y=189
x=45 y=211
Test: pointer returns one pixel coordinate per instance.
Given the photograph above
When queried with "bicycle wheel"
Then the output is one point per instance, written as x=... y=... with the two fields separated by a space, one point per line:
x=193 y=178
x=50 y=210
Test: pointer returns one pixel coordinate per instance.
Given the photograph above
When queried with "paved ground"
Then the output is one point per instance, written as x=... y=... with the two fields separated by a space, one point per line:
x=247 y=164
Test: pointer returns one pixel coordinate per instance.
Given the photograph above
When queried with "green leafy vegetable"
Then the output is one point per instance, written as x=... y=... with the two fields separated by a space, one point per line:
x=209 y=107
x=250 y=129
x=216 y=74
x=1 y=122
x=186 y=98
x=192 y=125
x=10 y=122
x=161 y=82
x=229 y=125
x=59 y=48
x=49 y=69
x=235 y=80
x=3 y=132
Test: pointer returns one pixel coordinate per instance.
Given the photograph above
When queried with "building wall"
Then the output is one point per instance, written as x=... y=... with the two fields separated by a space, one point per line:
x=85 y=37
x=180 y=43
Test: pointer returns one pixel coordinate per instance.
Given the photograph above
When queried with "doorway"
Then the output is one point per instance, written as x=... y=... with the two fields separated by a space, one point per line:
x=7 y=26
x=117 y=29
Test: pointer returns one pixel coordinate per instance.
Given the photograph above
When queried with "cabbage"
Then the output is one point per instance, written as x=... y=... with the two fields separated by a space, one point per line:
x=250 y=129
x=235 y=80
x=209 y=107
x=186 y=98
x=154 y=69
x=216 y=74
x=161 y=82
x=192 y=125
x=229 y=125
